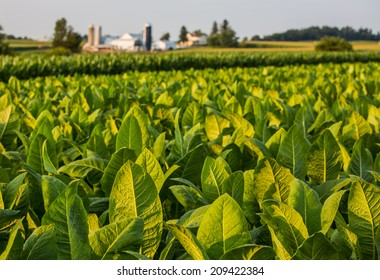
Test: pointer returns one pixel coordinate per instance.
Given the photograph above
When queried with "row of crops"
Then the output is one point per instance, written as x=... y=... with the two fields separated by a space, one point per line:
x=25 y=67
x=240 y=163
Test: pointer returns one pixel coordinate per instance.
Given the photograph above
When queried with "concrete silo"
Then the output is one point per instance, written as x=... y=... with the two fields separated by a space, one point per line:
x=147 y=37
x=90 y=39
x=98 y=35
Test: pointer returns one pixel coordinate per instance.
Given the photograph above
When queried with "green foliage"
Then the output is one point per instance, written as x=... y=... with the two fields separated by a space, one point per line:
x=59 y=51
x=4 y=47
x=235 y=163
x=25 y=67
x=333 y=44
x=225 y=38
x=165 y=36
x=183 y=34
x=65 y=37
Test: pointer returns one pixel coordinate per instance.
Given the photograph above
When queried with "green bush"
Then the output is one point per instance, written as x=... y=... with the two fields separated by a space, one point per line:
x=333 y=44
x=4 y=48
x=60 y=51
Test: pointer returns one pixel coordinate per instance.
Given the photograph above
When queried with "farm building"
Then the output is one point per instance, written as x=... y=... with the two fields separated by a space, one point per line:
x=196 y=39
x=164 y=45
x=128 y=42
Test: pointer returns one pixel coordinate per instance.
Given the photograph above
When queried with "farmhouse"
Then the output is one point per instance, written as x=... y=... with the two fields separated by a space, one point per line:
x=196 y=39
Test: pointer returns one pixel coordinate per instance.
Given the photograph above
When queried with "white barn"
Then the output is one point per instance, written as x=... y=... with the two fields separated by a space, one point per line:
x=164 y=45
x=128 y=42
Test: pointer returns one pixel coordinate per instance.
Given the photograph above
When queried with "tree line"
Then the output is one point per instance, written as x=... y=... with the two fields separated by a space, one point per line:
x=220 y=36
x=315 y=33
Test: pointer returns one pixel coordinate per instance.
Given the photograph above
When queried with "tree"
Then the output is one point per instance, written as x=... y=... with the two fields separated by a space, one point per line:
x=214 y=29
x=198 y=32
x=73 y=40
x=183 y=34
x=165 y=37
x=224 y=26
x=333 y=44
x=4 y=47
x=227 y=37
x=213 y=38
x=64 y=36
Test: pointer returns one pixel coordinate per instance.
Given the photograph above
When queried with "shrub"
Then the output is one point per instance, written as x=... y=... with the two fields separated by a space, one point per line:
x=59 y=51
x=5 y=49
x=333 y=44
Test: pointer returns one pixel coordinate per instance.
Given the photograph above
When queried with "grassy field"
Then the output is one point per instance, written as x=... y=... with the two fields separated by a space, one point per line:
x=29 y=46
x=271 y=46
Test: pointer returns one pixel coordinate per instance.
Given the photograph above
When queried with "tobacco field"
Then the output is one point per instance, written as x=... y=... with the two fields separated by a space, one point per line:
x=272 y=162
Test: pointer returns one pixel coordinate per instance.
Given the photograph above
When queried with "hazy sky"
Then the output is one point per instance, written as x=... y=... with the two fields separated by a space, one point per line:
x=36 y=18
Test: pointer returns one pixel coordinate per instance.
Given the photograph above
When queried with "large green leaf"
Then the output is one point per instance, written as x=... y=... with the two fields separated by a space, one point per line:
x=130 y=135
x=330 y=209
x=133 y=195
x=178 y=148
x=114 y=238
x=48 y=164
x=306 y=201
x=356 y=128
x=239 y=121
x=9 y=123
x=273 y=143
x=250 y=204
x=234 y=186
x=34 y=158
x=8 y=218
x=377 y=242
x=117 y=160
x=192 y=116
x=15 y=241
x=223 y=227
x=41 y=244
x=96 y=145
x=69 y=217
x=348 y=236
x=51 y=189
x=326 y=189
x=1 y=202
x=293 y=152
x=151 y=165
x=324 y=159
x=250 y=252
x=361 y=161
x=316 y=247
x=5 y=116
x=214 y=126
x=287 y=229
x=189 y=242
x=364 y=216
x=214 y=173
x=82 y=167
x=190 y=166
x=324 y=117
x=190 y=197
x=12 y=193
x=267 y=173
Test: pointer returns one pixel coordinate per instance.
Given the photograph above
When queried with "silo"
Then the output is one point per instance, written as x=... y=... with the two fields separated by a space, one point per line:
x=90 y=39
x=147 y=36
x=98 y=35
